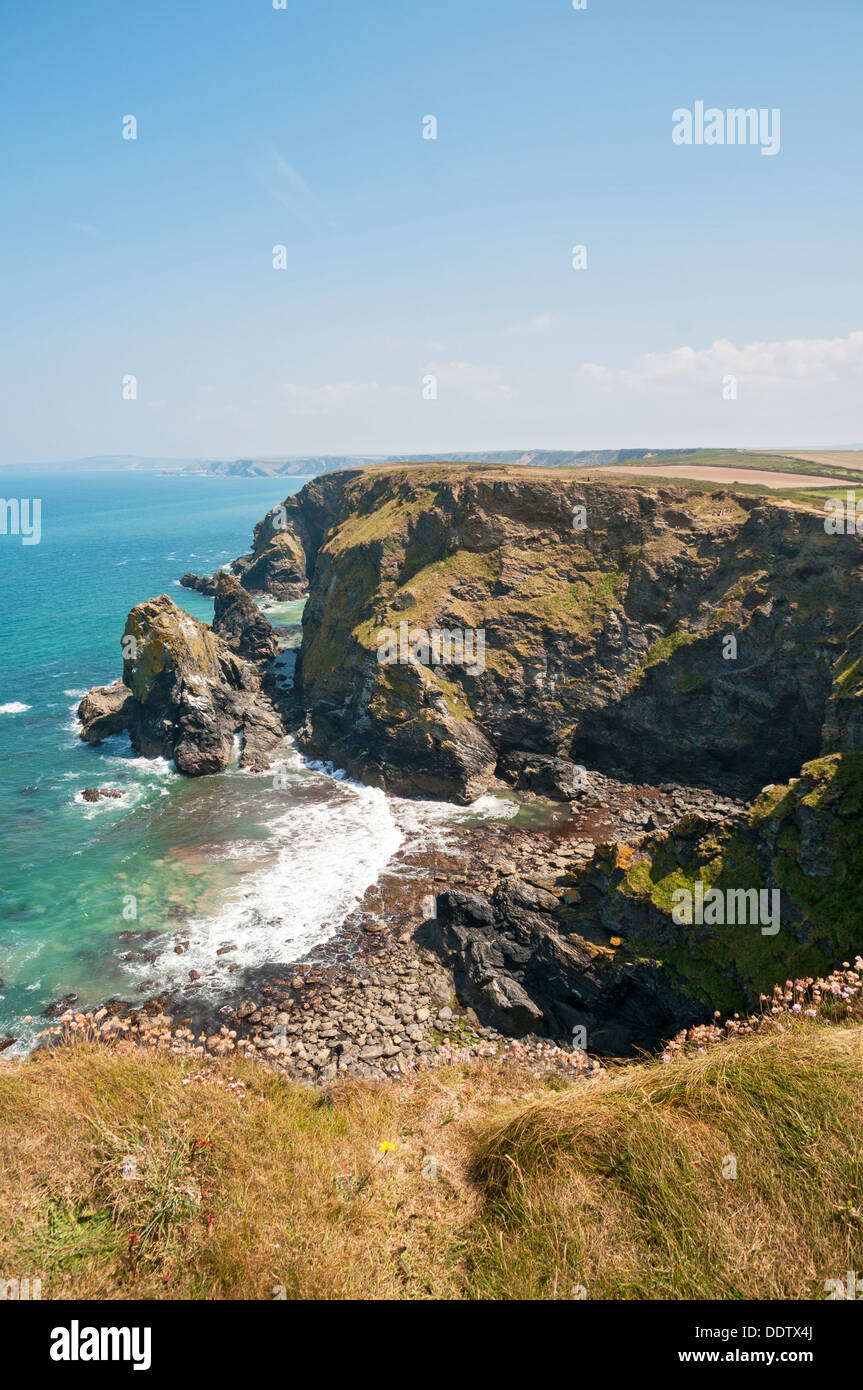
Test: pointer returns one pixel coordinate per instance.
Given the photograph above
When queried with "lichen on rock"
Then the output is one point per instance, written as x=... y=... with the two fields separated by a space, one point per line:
x=185 y=695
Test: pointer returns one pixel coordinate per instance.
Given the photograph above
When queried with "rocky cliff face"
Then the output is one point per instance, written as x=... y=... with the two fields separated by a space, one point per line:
x=184 y=695
x=658 y=631
x=801 y=847
x=286 y=543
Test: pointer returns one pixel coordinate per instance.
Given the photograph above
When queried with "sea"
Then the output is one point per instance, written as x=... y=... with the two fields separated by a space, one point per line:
x=95 y=896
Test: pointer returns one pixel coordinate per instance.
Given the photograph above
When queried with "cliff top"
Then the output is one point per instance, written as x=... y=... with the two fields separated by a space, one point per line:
x=807 y=490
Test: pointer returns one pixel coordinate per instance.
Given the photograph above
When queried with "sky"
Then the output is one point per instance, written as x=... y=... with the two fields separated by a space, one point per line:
x=429 y=300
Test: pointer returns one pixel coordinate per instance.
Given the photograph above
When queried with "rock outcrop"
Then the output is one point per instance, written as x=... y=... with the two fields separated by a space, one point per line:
x=201 y=583
x=240 y=623
x=105 y=710
x=286 y=543
x=519 y=966
x=801 y=847
x=185 y=695
x=617 y=946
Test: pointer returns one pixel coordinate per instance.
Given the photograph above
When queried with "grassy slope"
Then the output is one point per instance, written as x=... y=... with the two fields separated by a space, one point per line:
x=615 y=1185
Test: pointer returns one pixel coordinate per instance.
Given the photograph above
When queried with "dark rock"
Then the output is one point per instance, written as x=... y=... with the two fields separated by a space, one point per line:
x=200 y=583
x=59 y=1006
x=286 y=543
x=185 y=695
x=556 y=778
x=516 y=964
x=7 y=1042
x=240 y=623
x=101 y=793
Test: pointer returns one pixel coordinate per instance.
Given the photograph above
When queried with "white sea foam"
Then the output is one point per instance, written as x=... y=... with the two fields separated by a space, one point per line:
x=298 y=886
x=14 y=707
x=159 y=767
x=131 y=796
x=309 y=874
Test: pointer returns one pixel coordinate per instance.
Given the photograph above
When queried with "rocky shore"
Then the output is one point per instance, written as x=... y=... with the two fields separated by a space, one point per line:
x=388 y=994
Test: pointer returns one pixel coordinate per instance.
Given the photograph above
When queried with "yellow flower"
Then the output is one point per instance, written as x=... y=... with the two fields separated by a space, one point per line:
x=386 y=1146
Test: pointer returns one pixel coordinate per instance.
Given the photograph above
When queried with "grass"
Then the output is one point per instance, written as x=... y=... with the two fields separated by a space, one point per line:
x=662 y=649
x=124 y=1178
x=621 y=1189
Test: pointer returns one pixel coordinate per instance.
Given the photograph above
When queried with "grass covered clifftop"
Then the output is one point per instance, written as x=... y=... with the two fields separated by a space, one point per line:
x=139 y=1176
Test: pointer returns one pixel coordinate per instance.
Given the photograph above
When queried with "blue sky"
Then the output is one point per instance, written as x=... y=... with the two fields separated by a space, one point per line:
x=409 y=258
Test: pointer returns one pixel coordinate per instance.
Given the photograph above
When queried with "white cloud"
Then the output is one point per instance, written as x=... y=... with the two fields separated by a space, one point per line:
x=467 y=378
x=537 y=324
x=762 y=366
x=321 y=400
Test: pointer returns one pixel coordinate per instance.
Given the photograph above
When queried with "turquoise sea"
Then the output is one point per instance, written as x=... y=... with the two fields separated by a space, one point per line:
x=268 y=864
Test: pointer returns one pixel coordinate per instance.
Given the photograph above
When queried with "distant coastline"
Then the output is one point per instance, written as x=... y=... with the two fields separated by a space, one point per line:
x=849 y=458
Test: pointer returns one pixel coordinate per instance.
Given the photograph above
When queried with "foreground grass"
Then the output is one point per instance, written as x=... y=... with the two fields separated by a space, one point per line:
x=117 y=1180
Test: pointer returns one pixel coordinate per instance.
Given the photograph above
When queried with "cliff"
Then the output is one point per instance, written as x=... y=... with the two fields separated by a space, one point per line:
x=610 y=950
x=802 y=841
x=664 y=632
x=286 y=542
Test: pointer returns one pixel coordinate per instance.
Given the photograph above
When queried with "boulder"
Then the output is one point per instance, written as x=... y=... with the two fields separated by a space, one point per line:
x=555 y=778
x=105 y=710
x=101 y=793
